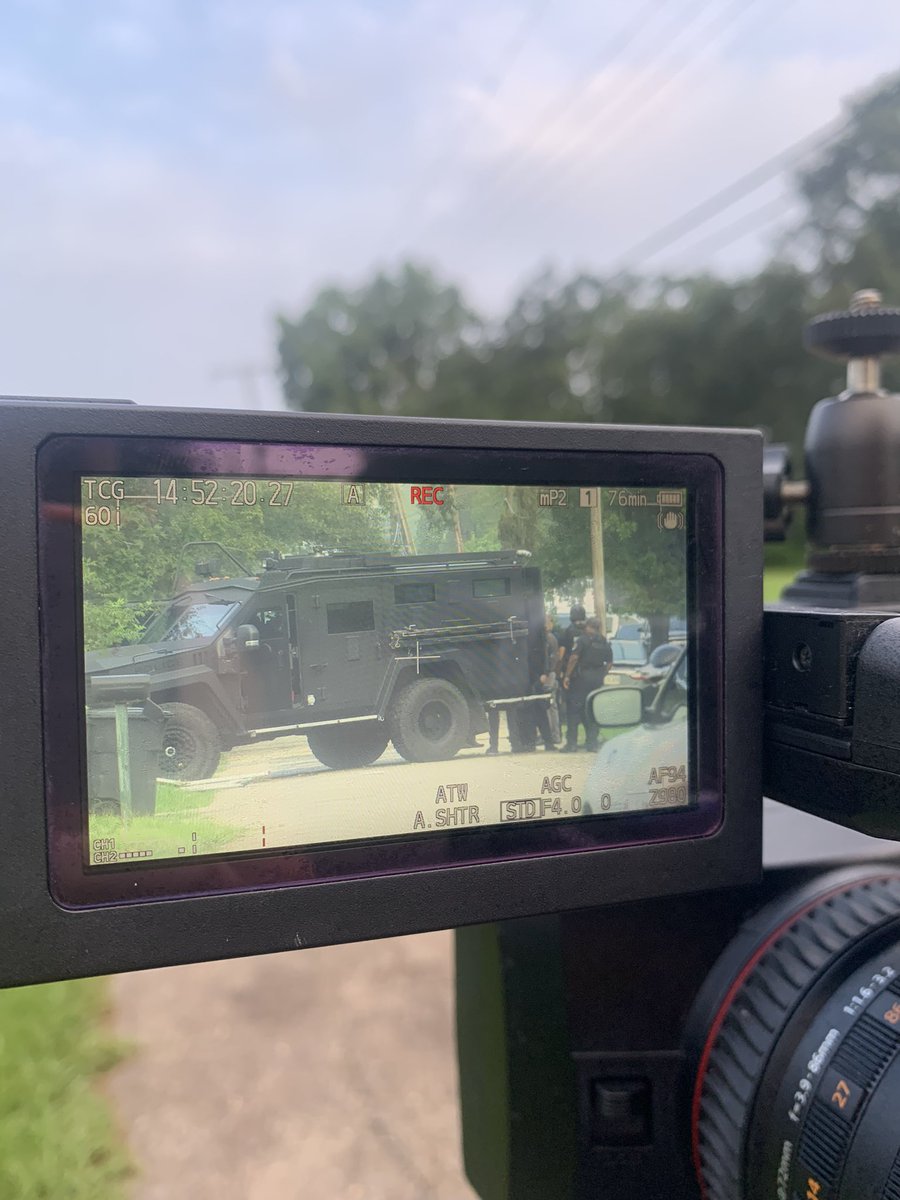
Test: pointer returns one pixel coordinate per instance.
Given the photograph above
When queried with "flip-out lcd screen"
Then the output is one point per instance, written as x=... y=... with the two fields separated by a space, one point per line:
x=295 y=663
x=271 y=664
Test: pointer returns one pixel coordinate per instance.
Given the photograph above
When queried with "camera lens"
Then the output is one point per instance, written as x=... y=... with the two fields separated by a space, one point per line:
x=796 y=1036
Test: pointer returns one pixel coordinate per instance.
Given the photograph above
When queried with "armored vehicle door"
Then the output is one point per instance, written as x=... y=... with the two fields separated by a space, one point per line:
x=266 y=667
x=341 y=645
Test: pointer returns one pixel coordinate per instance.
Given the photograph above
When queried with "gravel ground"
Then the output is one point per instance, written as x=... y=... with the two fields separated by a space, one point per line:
x=327 y=1074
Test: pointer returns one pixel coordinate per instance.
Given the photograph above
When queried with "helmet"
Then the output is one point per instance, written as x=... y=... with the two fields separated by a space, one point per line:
x=577 y=613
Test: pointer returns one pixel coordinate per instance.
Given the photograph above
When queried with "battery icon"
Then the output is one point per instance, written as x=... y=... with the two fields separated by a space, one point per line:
x=670 y=498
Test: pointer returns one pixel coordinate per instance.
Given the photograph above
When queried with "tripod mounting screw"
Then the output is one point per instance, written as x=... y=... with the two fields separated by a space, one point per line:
x=866 y=330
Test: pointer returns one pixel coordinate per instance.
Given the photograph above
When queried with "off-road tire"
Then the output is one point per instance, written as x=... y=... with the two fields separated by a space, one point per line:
x=429 y=720
x=191 y=745
x=355 y=745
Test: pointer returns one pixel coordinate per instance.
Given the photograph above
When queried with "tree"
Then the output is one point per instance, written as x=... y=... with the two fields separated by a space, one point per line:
x=851 y=190
x=544 y=361
x=130 y=570
x=376 y=348
x=645 y=566
x=707 y=351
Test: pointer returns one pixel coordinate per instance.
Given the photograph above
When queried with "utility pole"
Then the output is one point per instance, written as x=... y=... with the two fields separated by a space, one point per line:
x=597 y=565
x=247 y=376
x=403 y=519
x=457 y=527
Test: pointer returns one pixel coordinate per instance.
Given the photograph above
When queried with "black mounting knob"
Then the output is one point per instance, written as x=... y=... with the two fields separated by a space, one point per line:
x=852 y=445
x=866 y=330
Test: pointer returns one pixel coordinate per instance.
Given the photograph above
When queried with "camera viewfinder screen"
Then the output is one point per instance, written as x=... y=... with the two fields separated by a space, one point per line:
x=276 y=664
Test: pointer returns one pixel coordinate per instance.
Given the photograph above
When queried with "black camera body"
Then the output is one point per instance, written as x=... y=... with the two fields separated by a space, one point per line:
x=593 y=1075
x=745 y=1043
x=124 y=850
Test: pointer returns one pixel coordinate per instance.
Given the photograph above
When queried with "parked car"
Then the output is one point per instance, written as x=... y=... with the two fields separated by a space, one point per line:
x=678 y=630
x=627 y=657
x=649 y=675
x=632 y=630
x=655 y=733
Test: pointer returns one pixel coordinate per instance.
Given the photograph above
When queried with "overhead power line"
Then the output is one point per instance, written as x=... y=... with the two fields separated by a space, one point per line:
x=749 y=222
x=558 y=109
x=517 y=44
x=554 y=112
x=635 y=94
x=700 y=214
x=663 y=70
x=247 y=375
x=641 y=95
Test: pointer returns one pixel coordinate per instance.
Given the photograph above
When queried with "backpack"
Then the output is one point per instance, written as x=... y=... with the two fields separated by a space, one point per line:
x=595 y=655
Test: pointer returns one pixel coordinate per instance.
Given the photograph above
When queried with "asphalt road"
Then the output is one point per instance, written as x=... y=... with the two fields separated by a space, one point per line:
x=310 y=803
x=325 y=1074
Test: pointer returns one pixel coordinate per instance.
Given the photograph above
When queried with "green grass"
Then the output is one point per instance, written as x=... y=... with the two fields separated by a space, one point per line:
x=177 y=818
x=774 y=579
x=58 y=1137
x=783 y=561
x=172 y=799
x=165 y=836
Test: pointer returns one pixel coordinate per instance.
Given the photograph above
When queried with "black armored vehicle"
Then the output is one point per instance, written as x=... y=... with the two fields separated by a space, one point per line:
x=351 y=650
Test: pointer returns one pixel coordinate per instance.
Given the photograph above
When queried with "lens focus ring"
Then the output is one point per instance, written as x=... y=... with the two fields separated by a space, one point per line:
x=792 y=951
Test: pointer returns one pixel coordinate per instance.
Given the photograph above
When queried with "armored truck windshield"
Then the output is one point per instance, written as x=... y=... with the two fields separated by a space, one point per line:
x=183 y=621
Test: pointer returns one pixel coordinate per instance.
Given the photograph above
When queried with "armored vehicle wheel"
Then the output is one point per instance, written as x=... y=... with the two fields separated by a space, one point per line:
x=430 y=720
x=349 y=745
x=191 y=746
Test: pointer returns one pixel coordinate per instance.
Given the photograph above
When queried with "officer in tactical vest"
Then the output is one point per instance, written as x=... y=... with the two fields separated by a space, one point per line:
x=586 y=669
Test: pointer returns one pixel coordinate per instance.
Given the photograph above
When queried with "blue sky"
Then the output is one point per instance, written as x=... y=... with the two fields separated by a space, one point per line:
x=175 y=172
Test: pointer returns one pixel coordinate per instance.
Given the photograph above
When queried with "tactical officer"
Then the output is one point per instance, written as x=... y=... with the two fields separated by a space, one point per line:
x=586 y=669
x=536 y=716
x=570 y=635
x=567 y=640
x=551 y=682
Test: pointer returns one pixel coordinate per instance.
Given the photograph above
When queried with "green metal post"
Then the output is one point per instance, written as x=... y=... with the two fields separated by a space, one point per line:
x=123 y=758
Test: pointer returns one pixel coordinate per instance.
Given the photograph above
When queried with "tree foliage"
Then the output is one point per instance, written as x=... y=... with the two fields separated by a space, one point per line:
x=697 y=349
x=851 y=187
x=376 y=348
x=129 y=572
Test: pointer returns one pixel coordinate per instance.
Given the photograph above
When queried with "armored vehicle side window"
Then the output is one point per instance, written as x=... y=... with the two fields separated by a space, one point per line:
x=270 y=622
x=413 y=593
x=490 y=587
x=350 y=616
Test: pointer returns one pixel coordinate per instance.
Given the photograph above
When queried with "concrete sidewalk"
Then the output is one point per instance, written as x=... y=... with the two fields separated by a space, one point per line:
x=321 y=1075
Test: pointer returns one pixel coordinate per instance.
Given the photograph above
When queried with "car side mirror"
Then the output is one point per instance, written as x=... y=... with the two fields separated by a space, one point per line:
x=247 y=637
x=617 y=707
